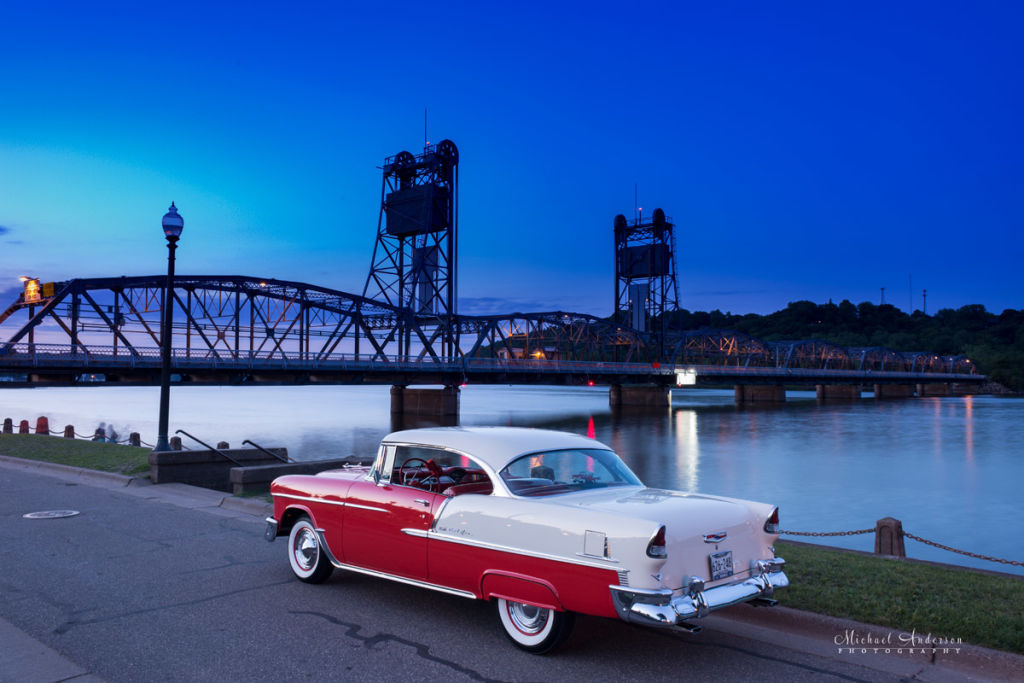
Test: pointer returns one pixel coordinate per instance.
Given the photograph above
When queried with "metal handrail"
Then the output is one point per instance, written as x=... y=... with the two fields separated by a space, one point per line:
x=259 y=447
x=215 y=450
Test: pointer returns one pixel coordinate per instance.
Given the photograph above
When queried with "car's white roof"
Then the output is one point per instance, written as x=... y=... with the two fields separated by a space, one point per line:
x=495 y=446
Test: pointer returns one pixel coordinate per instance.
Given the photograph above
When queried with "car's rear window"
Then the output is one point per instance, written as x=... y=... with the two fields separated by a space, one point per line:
x=562 y=471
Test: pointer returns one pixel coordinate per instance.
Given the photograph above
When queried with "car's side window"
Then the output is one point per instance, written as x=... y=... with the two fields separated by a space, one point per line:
x=383 y=466
x=438 y=471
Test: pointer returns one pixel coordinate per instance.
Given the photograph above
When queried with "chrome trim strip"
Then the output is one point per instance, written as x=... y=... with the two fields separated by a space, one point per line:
x=598 y=557
x=411 y=582
x=339 y=503
x=517 y=551
x=420 y=533
x=366 y=507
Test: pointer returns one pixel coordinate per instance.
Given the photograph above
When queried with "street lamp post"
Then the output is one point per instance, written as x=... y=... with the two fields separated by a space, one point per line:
x=172 y=224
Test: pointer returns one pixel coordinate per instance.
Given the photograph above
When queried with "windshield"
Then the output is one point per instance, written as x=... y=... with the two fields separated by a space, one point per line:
x=576 y=469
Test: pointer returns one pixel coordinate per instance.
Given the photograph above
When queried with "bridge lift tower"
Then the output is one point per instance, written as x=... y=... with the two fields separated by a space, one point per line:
x=414 y=258
x=645 y=274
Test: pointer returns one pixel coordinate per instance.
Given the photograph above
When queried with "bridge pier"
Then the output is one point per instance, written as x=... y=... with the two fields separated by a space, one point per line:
x=837 y=392
x=439 y=403
x=933 y=390
x=894 y=390
x=643 y=396
x=759 y=393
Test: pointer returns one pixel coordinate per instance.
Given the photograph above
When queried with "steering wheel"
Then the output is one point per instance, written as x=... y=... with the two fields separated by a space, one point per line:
x=430 y=465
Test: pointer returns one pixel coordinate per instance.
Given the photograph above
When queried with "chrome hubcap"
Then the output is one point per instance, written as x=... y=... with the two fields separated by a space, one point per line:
x=306 y=549
x=527 y=618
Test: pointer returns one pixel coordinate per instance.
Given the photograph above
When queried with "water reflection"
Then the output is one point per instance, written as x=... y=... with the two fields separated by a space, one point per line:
x=969 y=428
x=687 y=449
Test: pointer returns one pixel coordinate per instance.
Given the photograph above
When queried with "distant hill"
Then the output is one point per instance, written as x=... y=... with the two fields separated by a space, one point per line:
x=994 y=342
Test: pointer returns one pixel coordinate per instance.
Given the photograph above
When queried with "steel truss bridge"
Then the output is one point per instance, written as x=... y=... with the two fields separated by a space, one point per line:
x=239 y=330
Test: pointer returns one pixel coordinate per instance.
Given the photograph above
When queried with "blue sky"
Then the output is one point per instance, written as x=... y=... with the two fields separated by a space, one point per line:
x=805 y=150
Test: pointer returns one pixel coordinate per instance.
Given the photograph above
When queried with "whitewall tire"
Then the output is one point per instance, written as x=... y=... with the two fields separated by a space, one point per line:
x=535 y=629
x=306 y=556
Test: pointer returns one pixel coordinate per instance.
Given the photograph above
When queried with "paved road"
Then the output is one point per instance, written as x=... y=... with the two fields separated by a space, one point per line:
x=158 y=583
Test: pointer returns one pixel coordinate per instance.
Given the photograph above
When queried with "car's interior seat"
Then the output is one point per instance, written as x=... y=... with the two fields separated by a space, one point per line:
x=481 y=487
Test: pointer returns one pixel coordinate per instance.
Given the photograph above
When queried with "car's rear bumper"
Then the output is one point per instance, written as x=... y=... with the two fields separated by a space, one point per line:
x=667 y=608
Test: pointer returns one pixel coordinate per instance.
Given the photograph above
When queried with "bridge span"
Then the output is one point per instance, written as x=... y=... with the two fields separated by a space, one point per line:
x=245 y=330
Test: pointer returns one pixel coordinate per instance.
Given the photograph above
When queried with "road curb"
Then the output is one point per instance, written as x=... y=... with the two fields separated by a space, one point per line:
x=81 y=472
x=252 y=506
x=249 y=506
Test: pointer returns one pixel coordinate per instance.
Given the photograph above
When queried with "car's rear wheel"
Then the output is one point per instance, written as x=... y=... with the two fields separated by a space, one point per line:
x=535 y=629
x=306 y=556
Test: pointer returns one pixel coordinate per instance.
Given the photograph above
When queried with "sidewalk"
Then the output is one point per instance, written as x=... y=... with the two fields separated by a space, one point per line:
x=22 y=658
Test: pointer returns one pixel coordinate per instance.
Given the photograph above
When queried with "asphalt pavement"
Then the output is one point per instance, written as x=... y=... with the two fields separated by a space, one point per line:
x=174 y=582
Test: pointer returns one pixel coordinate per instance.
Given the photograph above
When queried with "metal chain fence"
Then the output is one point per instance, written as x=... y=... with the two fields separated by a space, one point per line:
x=907 y=534
x=963 y=552
x=828 y=533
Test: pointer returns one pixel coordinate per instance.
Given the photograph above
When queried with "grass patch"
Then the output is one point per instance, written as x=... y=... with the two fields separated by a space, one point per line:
x=93 y=455
x=978 y=608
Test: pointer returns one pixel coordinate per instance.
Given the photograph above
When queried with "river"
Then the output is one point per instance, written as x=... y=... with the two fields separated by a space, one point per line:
x=950 y=469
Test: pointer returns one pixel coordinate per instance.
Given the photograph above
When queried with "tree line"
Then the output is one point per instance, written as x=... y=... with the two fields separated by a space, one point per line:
x=994 y=342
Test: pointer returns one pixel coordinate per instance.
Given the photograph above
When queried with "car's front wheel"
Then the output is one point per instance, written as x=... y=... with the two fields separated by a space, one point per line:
x=535 y=629
x=307 y=558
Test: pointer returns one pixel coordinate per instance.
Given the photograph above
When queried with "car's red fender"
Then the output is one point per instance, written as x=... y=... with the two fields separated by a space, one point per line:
x=292 y=513
x=519 y=588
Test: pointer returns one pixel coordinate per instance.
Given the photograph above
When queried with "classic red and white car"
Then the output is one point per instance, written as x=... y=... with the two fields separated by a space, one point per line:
x=544 y=523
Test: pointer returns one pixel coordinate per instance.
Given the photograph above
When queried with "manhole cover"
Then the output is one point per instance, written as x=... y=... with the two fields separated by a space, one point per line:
x=51 y=514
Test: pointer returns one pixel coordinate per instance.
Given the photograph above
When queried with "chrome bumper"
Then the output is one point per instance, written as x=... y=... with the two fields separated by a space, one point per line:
x=270 y=533
x=667 y=608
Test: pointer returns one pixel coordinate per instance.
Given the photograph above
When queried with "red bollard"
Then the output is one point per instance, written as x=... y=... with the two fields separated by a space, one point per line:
x=69 y=431
x=23 y=427
x=43 y=425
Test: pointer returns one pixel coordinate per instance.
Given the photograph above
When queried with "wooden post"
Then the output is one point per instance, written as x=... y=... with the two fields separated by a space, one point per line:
x=889 y=537
x=8 y=425
x=23 y=427
x=223 y=445
x=135 y=440
x=43 y=425
x=69 y=431
x=175 y=443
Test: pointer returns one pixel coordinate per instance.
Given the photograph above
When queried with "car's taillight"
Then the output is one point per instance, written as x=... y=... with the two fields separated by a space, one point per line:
x=771 y=526
x=656 y=548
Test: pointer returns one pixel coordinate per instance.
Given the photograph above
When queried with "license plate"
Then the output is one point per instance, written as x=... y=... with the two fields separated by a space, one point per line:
x=721 y=564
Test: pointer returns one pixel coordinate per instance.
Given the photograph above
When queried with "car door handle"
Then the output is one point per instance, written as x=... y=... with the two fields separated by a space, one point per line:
x=422 y=501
